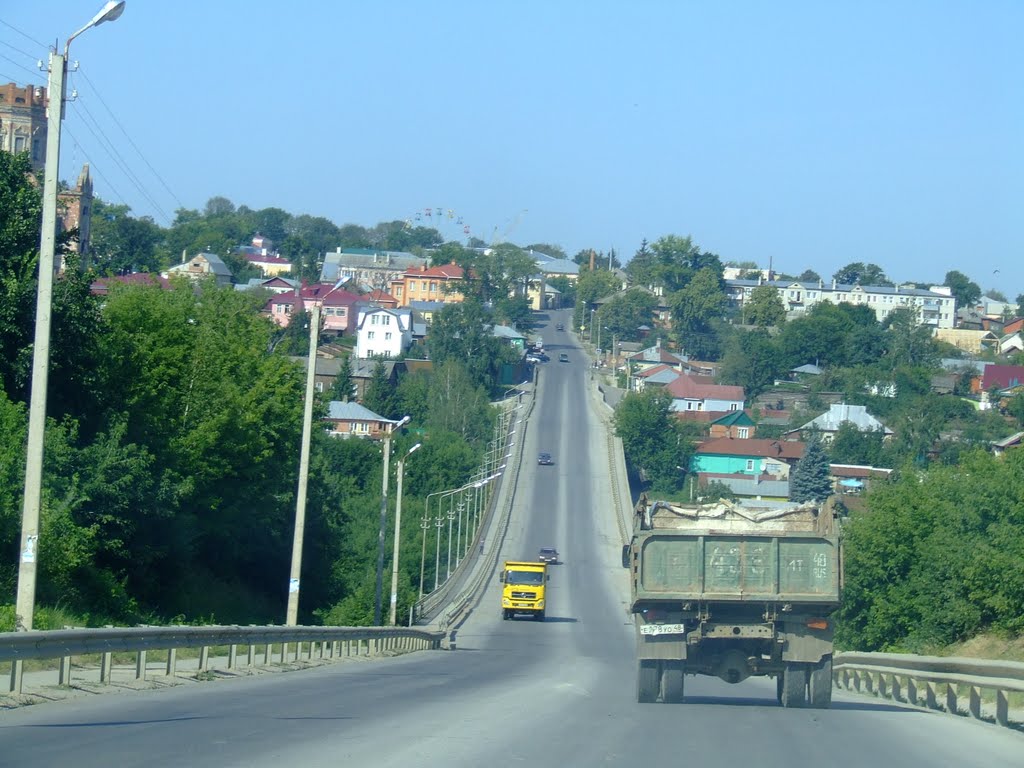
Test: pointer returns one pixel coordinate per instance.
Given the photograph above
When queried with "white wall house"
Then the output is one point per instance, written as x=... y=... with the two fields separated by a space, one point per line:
x=383 y=332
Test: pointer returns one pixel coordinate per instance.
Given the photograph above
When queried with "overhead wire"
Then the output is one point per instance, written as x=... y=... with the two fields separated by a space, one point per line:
x=93 y=168
x=34 y=73
x=94 y=127
x=23 y=34
x=129 y=138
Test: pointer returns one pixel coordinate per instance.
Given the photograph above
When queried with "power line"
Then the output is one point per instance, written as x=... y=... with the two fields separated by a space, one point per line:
x=27 y=37
x=111 y=150
x=16 y=48
x=127 y=136
x=93 y=168
x=34 y=73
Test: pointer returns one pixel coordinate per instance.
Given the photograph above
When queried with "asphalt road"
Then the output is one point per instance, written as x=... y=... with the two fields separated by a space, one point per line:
x=559 y=692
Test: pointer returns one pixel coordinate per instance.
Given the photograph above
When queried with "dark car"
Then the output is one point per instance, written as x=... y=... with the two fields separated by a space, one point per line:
x=548 y=555
x=563 y=357
x=559 y=327
x=545 y=458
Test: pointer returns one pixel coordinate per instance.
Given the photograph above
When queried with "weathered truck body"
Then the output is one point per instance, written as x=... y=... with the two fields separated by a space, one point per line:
x=730 y=591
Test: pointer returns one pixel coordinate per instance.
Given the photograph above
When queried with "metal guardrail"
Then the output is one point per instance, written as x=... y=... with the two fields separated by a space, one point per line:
x=460 y=607
x=920 y=681
x=324 y=643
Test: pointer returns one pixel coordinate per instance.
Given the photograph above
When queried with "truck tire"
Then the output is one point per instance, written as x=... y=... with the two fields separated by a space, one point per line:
x=821 y=684
x=648 y=681
x=539 y=616
x=672 y=675
x=506 y=615
x=794 y=686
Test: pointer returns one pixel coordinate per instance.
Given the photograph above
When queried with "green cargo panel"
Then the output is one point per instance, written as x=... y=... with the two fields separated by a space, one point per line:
x=740 y=566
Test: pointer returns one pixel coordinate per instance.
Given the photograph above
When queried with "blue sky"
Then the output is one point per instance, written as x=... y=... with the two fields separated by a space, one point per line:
x=810 y=134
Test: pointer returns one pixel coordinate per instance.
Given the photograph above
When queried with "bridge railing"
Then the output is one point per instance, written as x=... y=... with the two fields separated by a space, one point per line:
x=261 y=645
x=976 y=688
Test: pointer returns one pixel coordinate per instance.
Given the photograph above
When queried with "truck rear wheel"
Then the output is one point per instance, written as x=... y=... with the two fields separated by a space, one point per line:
x=672 y=675
x=647 y=681
x=821 y=684
x=794 y=686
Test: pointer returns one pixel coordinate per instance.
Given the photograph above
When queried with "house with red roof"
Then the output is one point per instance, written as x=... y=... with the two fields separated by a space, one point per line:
x=381 y=298
x=699 y=394
x=443 y=283
x=337 y=306
x=1001 y=377
x=754 y=467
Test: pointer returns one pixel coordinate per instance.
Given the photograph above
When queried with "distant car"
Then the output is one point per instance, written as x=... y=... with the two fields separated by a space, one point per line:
x=560 y=327
x=534 y=359
x=548 y=555
x=563 y=357
x=545 y=459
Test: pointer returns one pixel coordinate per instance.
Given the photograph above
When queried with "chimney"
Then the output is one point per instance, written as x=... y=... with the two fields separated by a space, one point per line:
x=592 y=256
x=833 y=283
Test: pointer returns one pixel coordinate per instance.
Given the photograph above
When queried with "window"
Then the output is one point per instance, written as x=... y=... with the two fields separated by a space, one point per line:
x=319 y=386
x=342 y=311
x=398 y=291
x=733 y=407
x=369 y=335
x=362 y=427
x=387 y=336
x=433 y=287
x=369 y=353
x=386 y=320
x=742 y=432
x=374 y=319
x=750 y=465
x=700 y=406
x=424 y=288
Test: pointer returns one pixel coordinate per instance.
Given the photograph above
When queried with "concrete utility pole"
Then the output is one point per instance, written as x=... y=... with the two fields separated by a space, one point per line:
x=300 y=497
x=28 y=552
x=398 y=533
x=382 y=532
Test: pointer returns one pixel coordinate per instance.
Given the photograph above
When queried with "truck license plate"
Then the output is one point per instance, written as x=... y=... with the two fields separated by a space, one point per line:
x=663 y=629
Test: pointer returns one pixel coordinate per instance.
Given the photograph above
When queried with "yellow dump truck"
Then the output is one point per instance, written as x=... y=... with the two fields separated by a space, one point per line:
x=523 y=590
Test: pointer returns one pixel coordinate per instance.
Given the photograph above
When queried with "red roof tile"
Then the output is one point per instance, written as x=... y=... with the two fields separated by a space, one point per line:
x=727 y=446
x=702 y=387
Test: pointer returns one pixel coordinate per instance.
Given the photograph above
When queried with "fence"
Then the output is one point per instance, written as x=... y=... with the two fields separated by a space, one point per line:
x=934 y=682
x=259 y=644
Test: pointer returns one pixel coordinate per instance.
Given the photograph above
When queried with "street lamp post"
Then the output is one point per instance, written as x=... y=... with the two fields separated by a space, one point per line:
x=398 y=532
x=30 y=544
x=438 y=523
x=382 y=532
x=424 y=527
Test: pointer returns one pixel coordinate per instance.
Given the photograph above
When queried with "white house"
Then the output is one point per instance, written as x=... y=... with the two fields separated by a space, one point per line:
x=383 y=332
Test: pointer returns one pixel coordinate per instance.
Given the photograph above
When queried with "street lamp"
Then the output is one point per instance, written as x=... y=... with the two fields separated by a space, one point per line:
x=398 y=532
x=28 y=552
x=382 y=532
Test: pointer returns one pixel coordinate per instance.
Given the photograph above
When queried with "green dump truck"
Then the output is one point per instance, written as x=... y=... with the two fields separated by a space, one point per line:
x=732 y=590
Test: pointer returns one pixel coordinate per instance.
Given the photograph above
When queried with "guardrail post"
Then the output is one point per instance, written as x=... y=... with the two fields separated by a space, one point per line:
x=16 y=675
x=912 y=691
x=204 y=658
x=140 y=665
x=172 y=662
x=106 y=665
x=250 y=657
x=64 y=673
x=951 y=706
x=1002 y=708
x=268 y=654
x=974 y=702
x=334 y=649
x=896 y=689
x=929 y=696
x=232 y=656
x=882 y=688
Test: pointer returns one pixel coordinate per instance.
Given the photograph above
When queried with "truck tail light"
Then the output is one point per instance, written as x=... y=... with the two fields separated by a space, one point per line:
x=817 y=623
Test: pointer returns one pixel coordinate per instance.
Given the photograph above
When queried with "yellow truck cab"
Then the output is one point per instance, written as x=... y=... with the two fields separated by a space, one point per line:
x=524 y=586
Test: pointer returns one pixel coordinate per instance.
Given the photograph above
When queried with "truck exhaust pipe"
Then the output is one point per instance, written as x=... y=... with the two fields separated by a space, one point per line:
x=733 y=668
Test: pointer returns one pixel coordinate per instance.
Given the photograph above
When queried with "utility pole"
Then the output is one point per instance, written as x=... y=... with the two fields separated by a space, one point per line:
x=382 y=531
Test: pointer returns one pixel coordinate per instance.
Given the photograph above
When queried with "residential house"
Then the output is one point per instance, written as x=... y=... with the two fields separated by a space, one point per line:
x=994 y=309
x=735 y=424
x=662 y=309
x=269 y=265
x=753 y=467
x=426 y=310
x=381 y=298
x=658 y=376
x=802 y=372
x=655 y=356
x=538 y=292
x=362 y=373
x=510 y=336
x=827 y=424
x=383 y=332
x=972 y=341
x=1014 y=326
x=338 y=307
x=202 y=265
x=998 y=377
x=854 y=479
x=697 y=394
x=325 y=372
x=366 y=267
x=282 y=307
x=1016 y=440
x=443 y=284
x=934 y=307
x=272 y=284
x=351 y=419
x=1011 y=342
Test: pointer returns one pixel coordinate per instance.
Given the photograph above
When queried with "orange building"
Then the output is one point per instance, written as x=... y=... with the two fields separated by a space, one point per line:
x=442 y=284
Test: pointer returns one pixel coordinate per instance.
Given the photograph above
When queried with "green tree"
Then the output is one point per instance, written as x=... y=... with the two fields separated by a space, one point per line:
x=862 y=274
x=651 y=439
x=1020 y=305
x=765 y=308
x=851 y=445
x=964 y=290
x=695 y=309
x=625 y=312
x=121 y=244
x=752 y=361
x=457 y=403
x=809 y=480
x=342 y=386
x=809 y=276
x=379 y=396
